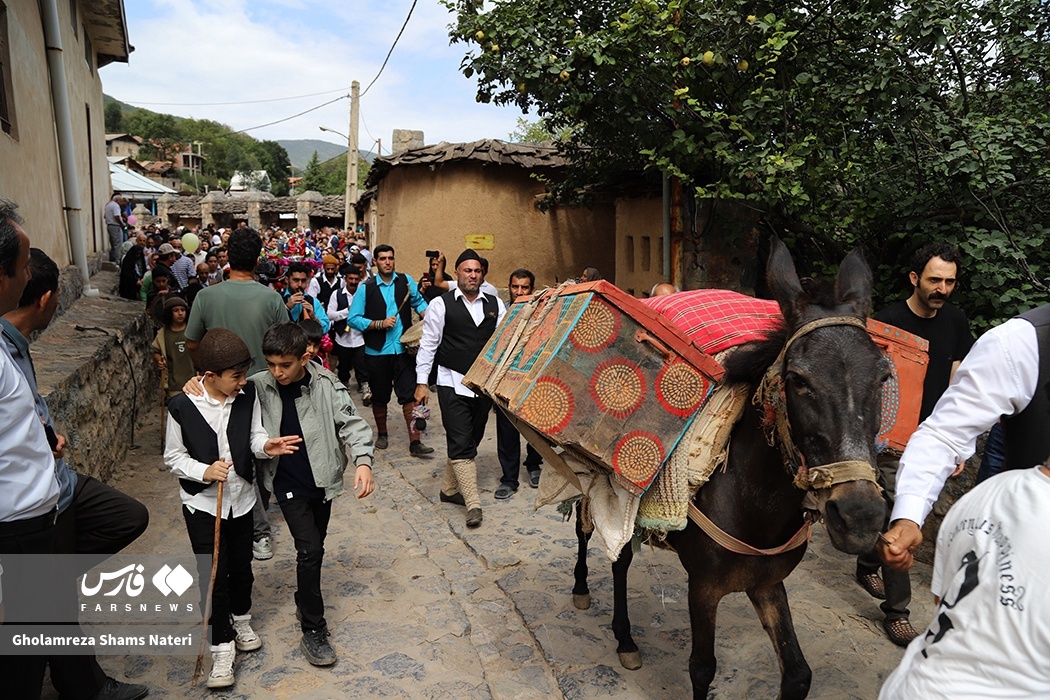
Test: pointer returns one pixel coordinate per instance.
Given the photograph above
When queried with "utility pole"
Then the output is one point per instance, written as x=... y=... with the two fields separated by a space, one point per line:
x=350 y=217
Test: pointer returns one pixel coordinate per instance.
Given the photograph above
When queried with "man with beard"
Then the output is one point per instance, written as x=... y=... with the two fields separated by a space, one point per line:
x=927 y=314
x=456 y=328
x=348 y=344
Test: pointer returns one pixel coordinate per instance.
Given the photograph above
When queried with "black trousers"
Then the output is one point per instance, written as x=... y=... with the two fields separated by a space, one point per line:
x=351 y=359
x=391 y=373
x=233 y=576
x=23 y=676
x=508 y=446
x=897 y=583
x=101 y=521
x=464 y=421
x=307 y=520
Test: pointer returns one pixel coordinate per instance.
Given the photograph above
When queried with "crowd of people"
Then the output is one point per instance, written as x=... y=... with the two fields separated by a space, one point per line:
x=263 y=338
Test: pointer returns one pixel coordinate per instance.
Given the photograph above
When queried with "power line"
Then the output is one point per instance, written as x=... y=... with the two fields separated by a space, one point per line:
x=244 y=102
x=260 y=126
x=396 y=39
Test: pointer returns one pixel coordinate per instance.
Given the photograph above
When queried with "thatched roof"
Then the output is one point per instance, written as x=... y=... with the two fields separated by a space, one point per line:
x=487 y=151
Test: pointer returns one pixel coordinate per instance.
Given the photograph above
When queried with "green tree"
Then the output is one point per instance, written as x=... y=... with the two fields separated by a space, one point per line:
x=538 y=132
x=877 y=123
x=313 y=178
x=114 y=118
x=274 y=160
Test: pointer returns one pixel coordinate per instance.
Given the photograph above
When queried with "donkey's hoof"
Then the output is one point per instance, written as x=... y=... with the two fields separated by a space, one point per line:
x=631 y=660
x=581 y=601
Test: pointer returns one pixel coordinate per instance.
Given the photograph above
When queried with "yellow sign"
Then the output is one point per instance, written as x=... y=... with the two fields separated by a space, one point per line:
x=481 y=241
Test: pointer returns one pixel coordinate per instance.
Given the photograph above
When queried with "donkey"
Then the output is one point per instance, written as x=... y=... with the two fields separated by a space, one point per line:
x=831 y=377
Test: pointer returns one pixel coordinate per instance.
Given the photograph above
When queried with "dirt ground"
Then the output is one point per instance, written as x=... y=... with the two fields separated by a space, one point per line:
x=419 y=606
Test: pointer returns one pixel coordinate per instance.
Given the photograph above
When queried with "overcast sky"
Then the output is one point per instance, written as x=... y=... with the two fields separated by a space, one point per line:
x=195 y=51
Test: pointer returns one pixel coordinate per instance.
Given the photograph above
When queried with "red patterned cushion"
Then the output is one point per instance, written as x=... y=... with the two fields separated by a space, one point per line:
x=717 y=319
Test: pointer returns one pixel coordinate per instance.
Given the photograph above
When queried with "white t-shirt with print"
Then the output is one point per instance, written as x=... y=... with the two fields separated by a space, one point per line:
x=990 y=635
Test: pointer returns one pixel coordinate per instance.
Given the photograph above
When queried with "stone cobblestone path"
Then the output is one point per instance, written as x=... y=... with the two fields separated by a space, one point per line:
x=421 y=607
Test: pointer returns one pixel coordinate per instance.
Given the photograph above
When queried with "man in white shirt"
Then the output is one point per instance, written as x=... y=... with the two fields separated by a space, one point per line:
x=348 y=344
x=456 y=328
x=998 y=378
x=115 y=222
x=28 y=488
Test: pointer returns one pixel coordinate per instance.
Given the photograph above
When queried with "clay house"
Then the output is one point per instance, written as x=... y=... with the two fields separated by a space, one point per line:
x=162 y=171
x=123 y=145
x=47 y=112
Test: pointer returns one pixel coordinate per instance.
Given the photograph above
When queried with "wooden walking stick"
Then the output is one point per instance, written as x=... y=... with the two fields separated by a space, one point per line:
x=211 y=585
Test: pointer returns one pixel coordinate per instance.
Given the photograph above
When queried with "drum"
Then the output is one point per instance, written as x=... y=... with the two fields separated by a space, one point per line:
x=410 y=338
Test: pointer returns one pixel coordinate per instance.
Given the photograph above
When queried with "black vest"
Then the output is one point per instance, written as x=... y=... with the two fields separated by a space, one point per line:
x=326 y=289
x=203 y=444
x=462 y=341
x=1028 y=432
x=375 y=309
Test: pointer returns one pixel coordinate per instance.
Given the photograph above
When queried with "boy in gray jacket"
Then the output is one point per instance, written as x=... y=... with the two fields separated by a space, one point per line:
x=299 y=397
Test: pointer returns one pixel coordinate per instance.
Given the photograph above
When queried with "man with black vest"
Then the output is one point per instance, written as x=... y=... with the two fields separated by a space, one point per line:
x=457 y=326
x=1006 y=373
x=382 y=312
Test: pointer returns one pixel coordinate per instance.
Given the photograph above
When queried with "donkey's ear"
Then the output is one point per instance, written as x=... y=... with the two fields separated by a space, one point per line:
x=853 y=284
x=783 y=280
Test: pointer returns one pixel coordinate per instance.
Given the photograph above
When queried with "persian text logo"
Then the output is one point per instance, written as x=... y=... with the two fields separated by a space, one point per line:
x=130 y=580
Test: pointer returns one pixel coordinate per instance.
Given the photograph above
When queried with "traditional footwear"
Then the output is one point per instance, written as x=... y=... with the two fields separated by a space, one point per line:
x=534 y=478
x=366 y=394
x=113 y=689
x=316 y=648
x=382 y=441
x=417 y=448
x=873 y=584
x=504 y=491
x=222 y=658
x=456 y=498
x=262 y=549
x=900 y=631
x=473 y=517
x=246 y=639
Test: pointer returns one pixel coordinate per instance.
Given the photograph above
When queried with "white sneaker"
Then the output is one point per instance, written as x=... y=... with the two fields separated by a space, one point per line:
x=222 y=658
x=262 y=549
x=246 y=639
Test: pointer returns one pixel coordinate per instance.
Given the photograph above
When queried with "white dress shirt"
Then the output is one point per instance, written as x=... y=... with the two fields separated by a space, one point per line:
x=346 y=338
x=997 y=378
x=28 y=487
x=433 y=332
x=238 y=495
x=313 y=287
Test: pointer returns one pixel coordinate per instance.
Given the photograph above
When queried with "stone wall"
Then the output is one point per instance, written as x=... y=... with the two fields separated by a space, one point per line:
x=97 y=394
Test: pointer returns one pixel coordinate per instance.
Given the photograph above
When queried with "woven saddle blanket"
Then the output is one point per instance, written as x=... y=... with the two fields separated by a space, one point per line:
x=717 y=319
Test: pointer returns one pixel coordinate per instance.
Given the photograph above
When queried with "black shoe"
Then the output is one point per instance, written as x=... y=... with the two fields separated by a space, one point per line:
x=900 y=631
x=473 y=517
x=417 y=448
x=316 y=649
x=873 y=584
x=504 y=491
x=382 y=441
x=534 y=478
x=113 y=689
x=455 y=498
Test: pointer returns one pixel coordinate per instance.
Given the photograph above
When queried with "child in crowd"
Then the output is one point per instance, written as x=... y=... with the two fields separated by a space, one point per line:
x=300 y=398
x=204 y=440
x=169 y=347
x=318 y=344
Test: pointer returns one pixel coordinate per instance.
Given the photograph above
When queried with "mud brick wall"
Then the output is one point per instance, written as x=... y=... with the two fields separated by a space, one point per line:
x=92 y=390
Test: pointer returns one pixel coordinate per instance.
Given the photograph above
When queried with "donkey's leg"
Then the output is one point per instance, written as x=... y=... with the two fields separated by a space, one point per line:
x=581 y=594
x=703 y=607
x=626 y=649
x=771 y=604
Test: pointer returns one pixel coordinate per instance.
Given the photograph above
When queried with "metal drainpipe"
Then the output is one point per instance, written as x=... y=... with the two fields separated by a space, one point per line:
x=64 y=129
x=667 y=228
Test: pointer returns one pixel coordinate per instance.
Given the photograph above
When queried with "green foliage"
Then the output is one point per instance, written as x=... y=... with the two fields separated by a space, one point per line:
x=538 y=132
x=114 y=118
x=313 y=179
x=874 y=124
x=329 y=177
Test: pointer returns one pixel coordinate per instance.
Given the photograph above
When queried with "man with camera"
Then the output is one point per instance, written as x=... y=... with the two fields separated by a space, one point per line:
x=300 y=304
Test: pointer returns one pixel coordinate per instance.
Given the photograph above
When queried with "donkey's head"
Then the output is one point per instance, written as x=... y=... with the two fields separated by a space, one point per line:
x=832 y=381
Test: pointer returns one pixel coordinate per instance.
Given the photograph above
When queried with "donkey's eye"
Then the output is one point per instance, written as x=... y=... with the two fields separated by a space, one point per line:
x=798 y=383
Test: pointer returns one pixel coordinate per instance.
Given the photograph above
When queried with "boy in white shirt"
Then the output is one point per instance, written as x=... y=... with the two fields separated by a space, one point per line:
x=206 y=436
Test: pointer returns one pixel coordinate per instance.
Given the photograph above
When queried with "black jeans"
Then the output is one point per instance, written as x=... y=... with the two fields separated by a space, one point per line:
x=102 y=521
x=351 y=359
x=508 y=446
x=23 y=676
x=464 y=421
x=233 y=576
x=897 y=583
x=391 y=373
x=307 y=520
